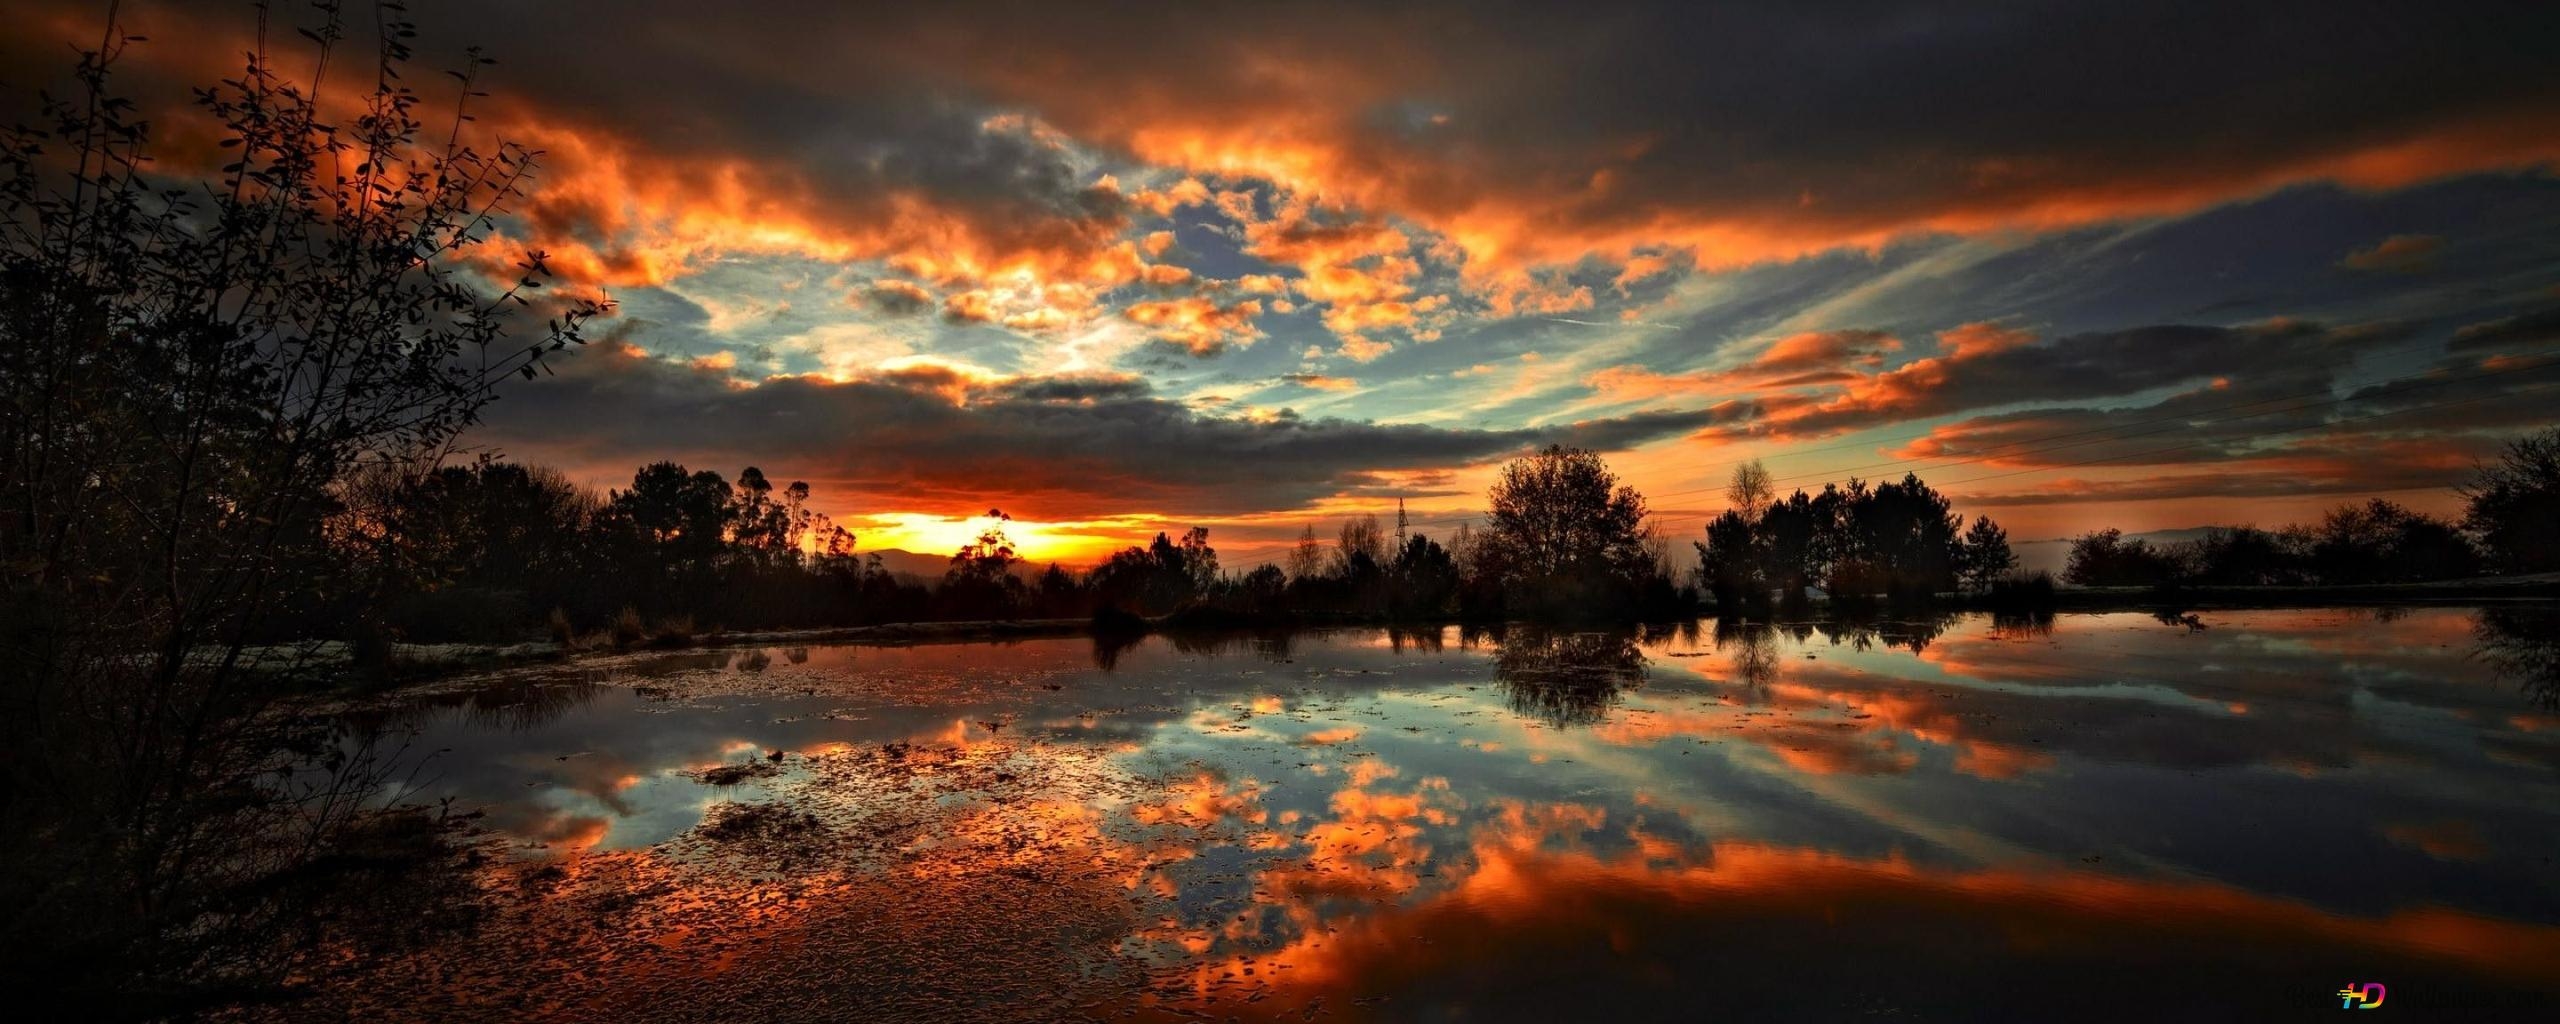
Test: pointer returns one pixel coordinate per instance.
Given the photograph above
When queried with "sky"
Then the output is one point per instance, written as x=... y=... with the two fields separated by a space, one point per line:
x=1121 y=268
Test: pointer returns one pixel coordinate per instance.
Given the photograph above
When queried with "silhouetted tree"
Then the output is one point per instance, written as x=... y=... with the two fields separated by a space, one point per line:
x=192 y=363
x=1983 y=554
x=2383 y=542
x=1263 y=590
x=1423 y=581
x=2246 y=556
x=759 y=528
x=2105 y=559
x=1480 y=574
x=1730 y=561
x=672 y=530
x=467 y=552
x=1198 y=561
x=1789 y=539
x=1123 y=581
x=1748 y=493
x=1059 y=593
x=2514 y=502
x=1360 y=550
x=1306 y=558
x=1570 y=538
x=980 y=580
x=1160 y=578
x=1906 y=537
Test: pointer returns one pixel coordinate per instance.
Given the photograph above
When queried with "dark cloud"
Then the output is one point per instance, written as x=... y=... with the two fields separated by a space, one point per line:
x=1637 y=428
x=893 y=297
x=2461 y=394
x=1543 y=129
x=1970 y=375
x=2520 y=332
x=2249 y=420
x=2208 y=424
x=1044 y=448
x=2349 y=480
x=2424 y=430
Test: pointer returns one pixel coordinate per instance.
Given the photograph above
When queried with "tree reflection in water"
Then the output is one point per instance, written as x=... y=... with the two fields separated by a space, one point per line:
x=2017 y=625
x=1861 y=633
x=1751 y=652
x=2523 y=644
x=1108 y=647
x=1567 y=679
x=504 y=704
x=1425 y=640
x=1271 y=645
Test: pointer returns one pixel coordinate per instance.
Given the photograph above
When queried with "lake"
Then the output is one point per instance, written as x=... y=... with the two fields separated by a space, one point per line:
x=2231 y=815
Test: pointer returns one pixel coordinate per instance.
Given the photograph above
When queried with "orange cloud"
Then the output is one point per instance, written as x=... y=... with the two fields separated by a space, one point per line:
x=2401 y=253
x=1199 y=325
x=1826 y=350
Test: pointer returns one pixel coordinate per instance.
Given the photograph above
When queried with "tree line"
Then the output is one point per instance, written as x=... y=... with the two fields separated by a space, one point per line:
x=493 y=550
x=1900 y=541
x=2510 y=525
x=496 y=550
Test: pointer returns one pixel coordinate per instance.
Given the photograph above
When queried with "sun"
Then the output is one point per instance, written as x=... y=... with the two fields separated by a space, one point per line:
x=926 y=533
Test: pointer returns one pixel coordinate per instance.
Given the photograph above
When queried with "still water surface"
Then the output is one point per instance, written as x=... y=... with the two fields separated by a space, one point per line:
x=2116 y=816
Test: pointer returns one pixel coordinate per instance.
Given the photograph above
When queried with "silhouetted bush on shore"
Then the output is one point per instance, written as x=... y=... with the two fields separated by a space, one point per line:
x=2020 y=592
x=2359 y=543
x=497 y=551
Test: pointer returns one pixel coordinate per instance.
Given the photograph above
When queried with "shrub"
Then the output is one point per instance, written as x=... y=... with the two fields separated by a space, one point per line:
x=2106 y=559
x=628 y=629
x=672 y=631
x=1111 y=621
x=2021 y=590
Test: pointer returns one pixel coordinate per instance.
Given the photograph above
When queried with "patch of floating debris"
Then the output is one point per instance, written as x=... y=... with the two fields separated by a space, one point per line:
x=897 y=882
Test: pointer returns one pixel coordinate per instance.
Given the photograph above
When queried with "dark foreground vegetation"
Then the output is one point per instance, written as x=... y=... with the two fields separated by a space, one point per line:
x=202 y=348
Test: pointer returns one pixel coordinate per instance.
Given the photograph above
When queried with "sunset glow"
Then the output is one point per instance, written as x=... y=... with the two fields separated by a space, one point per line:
x=1124 y=273
x=1087 y=510
x=1068 y=543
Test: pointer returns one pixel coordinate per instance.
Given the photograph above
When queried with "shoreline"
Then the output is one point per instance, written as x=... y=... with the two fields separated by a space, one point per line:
x=419 y=663
x=2484 y=590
